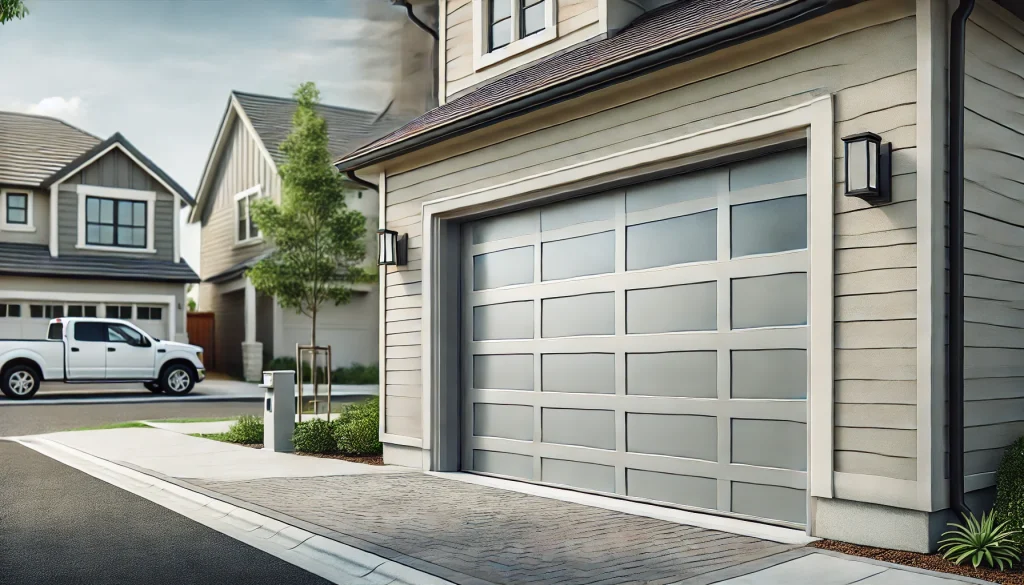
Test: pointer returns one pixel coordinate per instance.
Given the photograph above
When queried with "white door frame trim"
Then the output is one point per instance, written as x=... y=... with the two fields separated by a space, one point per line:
x=813 y=119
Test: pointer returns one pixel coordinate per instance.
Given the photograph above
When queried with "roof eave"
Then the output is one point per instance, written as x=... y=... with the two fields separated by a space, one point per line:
x=733 y=34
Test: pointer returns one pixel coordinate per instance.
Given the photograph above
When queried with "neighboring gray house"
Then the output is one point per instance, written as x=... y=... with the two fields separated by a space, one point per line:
x=633 y=268
x=250 y=327
x=88 y=227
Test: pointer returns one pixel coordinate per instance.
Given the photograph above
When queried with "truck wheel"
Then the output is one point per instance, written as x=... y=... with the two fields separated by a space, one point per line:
x=177 y=380
x=153 y=387
x=19 y=382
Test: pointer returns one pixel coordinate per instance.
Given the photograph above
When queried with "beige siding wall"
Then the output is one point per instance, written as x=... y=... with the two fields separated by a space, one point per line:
x=866 y=57
x=40 y=219
x=242 y=166
x=994 y=239
x=578 y=20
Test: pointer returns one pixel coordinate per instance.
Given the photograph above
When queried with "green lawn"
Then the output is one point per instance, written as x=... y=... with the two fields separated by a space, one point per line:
x=120 y=425
x=194 y=420
x=223 y=437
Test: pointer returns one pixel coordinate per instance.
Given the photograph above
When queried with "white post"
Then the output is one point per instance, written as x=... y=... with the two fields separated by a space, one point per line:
x=278 y=410
x=252 y=350
x=250 y=312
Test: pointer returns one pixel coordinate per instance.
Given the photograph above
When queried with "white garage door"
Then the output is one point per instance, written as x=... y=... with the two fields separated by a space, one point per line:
x=648 y=342
x=152 y=319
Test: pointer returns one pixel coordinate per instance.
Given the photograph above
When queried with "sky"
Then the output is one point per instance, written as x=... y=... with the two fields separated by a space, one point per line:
x=159 y=71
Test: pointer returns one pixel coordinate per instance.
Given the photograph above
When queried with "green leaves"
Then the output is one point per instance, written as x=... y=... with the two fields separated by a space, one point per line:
x=1010 y=489
x=319 y=244
x=980 y=541
x=11 y=9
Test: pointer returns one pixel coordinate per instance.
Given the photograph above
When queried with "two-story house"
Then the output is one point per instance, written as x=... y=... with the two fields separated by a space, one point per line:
x=251 y=328
x=654 y=255
x=88 y=227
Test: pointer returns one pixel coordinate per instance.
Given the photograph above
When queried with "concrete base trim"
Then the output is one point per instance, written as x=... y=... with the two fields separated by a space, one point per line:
x=324 y=557
x=877 y=525
x=709 y=521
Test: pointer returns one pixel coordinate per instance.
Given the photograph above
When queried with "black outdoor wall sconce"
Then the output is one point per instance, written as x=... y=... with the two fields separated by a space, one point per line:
x=392 y=249
x=868 y=167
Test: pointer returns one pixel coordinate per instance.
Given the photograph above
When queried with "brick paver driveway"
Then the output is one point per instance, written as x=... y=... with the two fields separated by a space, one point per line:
x=471 y=534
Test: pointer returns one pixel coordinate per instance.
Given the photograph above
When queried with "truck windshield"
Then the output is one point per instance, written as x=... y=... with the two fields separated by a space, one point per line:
x=56 y=331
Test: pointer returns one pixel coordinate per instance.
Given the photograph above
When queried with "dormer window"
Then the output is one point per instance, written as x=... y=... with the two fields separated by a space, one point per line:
x=16 y=212
x=508 y=27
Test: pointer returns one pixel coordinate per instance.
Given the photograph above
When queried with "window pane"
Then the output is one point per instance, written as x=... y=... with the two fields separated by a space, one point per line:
x=120 y=333
x=3 y=310
x=124 y=236
x=35 y=311
x=16 y=216
x=253 y=230
x=56 y=331
x=106 y=211
x=92 y=209
x=124 y=212
x=501 y=34
x=126 y=311
x=764 y=227
x=500 y=9
x=90 y=310
x=58 y=311
x=156 y=313
x=14 y=310
x=17 y=201
x=139 y=214
x=92 y=234
x=106 y=235
x=143 y=312
x=74 y=311
x=112 y=312
x=89 y=331
x=139 y=237
x=533 y=19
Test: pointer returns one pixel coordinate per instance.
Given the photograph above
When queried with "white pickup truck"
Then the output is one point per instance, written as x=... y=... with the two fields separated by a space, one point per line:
x=90 y=350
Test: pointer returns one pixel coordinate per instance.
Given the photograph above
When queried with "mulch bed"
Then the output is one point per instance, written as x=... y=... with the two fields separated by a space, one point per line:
x=931 y=562
x=369 y=460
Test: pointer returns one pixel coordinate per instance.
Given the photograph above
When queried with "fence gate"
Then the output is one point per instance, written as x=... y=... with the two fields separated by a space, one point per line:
x=200 y=328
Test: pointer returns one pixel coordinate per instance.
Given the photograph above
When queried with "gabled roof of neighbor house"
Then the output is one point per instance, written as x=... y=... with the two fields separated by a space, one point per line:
x=34 y=147
x=117 y=140
x=269 y=119
x=35 y=259
x=668 y=35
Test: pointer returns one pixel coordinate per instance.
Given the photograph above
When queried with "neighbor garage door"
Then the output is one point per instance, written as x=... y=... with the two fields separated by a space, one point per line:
x=647 y=342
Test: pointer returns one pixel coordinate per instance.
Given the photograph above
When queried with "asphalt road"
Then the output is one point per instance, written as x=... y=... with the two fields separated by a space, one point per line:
x=33 y=419
x=60 y=526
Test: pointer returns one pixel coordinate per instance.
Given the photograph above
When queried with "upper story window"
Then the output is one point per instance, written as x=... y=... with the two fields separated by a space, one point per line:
x=114 y=219
x=115 y=222
x=245 y=228
x=16 y=214
x=508 y=27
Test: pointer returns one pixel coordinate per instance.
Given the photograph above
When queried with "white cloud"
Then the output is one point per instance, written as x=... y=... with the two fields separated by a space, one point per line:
x=69 y=109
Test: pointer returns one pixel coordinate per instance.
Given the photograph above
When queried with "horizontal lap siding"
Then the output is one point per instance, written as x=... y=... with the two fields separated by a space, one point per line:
x=242 y=165
x=994 y=239
x=870 y=68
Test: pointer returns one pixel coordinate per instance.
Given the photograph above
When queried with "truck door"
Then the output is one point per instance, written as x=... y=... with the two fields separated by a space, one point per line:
x=87 y=351
x=130 y=354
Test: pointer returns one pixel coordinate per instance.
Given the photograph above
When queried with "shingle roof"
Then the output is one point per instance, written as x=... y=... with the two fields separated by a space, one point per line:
x=34 y=259
x=118 y=138
x=347 y=128
x=679 y=23
x=34 y=147
x=236 y=270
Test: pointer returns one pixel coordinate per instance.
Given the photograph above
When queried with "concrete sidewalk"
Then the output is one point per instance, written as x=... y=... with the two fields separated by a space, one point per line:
x=466 y=529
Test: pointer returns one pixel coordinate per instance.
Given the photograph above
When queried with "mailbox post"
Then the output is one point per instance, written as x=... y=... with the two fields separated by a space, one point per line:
x=278 y=410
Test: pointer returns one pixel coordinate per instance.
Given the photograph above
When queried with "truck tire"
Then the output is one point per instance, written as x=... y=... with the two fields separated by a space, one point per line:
x=19 y=382
x=177 y=379
x=153 y=387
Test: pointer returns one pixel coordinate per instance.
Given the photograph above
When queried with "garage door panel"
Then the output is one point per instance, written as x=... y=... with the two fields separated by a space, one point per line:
x=580 y=427
x=668 y=323
x=579 y=256
x=591 y=314
x=503 y=321
x=678 y=435
x=578 y=372
x=770 y=301
x=503 y=268
x=504 y=371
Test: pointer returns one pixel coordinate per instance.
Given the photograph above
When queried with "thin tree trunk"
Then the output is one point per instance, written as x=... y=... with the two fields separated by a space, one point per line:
x=316 y=386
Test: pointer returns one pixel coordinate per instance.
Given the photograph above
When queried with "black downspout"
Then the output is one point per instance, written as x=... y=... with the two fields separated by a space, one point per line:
x=352 y=177
x=415 y=19
x=957 y=47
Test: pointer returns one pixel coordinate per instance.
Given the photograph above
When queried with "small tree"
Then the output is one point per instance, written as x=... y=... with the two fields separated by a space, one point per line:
x=11 y=9
x=318 y=242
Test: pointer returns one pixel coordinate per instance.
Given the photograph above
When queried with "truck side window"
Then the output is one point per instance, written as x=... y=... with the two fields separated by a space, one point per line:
x=55 y=332
x=90 y=331
x=117 y=333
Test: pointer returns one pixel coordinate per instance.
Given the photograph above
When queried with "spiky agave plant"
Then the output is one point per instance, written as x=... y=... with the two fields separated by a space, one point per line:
x=980 y=540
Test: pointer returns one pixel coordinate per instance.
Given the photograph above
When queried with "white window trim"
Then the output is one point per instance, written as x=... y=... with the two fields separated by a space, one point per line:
x=255 y=193
x=813 y=119
x=30 y=226
x=148 y=197
x=482 y=58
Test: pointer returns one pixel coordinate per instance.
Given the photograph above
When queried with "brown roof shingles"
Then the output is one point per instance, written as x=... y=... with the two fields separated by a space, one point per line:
x=34 y=147
x=658 y=29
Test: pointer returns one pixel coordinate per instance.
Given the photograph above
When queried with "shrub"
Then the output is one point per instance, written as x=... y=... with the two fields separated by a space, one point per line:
x=281 y=363
x=356 y=374
x=357 y=430
x=315 y=436
x=248 y=430
x=981 y=541
x=1010 y=489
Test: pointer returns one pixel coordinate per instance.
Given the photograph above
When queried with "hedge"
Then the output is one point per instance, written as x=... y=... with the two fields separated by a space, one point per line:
x=1010 y=488
x=354 y=374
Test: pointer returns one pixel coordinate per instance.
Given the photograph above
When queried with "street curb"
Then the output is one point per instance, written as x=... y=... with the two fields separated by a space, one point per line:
x=907 y=568
x=318 y=554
